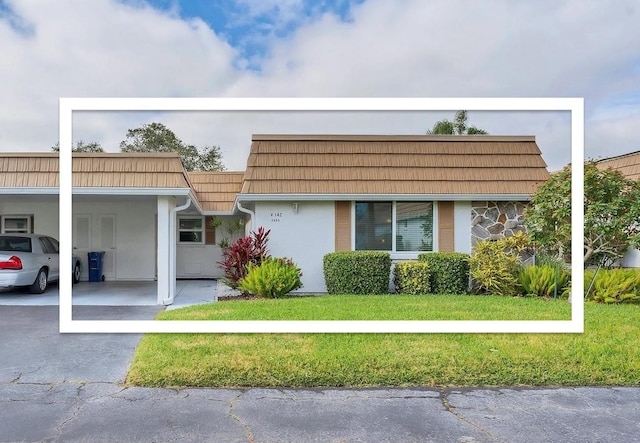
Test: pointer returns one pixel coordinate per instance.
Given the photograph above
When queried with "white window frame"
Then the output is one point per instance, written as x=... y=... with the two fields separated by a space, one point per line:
x=201 y=230
x=4 y=230
x=396 y=255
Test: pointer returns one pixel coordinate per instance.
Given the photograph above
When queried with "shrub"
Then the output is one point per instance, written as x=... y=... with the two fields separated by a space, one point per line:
x=449 y=271
x=357 y=272
x=245 y=250
x=614 y=286
x=273 y=278
x=412 y=277
x=540 y=281
x=494 y=265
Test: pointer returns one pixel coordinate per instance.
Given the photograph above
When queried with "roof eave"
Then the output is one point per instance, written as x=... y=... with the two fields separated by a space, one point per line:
x=97 y=191
x=382 y=197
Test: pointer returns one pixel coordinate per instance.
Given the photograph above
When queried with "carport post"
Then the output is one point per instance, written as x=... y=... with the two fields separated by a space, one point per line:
x=164 y=287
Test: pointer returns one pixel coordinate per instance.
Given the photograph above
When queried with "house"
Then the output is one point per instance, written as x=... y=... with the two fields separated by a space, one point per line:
x=316 y=193
x=402 y=194
x=629 y=166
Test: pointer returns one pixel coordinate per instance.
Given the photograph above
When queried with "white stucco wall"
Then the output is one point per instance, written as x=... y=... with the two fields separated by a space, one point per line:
x=462 y=226
x=201 y=261
x=304 y=237
x=44 y=209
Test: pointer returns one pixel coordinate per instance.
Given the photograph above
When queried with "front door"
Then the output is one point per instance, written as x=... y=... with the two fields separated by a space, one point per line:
x=103 y=238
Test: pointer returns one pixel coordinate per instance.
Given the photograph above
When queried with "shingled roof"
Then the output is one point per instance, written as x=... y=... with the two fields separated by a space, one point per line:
x=95 y=170
x=627 y=164
x=401 y=164
x=216 y=191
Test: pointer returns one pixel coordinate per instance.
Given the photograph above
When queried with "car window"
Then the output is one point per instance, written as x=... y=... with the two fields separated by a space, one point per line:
x=54 y=244
x=47 y=245
x=15 y=244
x=44 y=244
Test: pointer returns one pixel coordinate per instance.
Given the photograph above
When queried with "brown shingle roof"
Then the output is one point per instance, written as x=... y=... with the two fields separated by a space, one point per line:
x=157 y=170
x=216 y=191
x=353 y=164
x=628 y=164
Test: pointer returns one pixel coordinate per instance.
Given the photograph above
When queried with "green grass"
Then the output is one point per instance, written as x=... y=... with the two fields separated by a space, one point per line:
x=606 y=354
x=378 y=307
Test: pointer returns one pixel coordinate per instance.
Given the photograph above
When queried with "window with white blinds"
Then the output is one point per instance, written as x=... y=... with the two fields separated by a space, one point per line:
x=414 y=226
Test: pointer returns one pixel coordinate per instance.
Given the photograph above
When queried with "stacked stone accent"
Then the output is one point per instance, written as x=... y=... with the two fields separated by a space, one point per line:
x=494 y=220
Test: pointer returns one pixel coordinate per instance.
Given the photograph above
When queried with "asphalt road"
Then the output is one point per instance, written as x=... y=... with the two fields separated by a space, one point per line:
x=68 y=388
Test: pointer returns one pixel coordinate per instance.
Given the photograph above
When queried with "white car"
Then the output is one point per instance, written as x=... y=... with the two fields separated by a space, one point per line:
x=31 y=260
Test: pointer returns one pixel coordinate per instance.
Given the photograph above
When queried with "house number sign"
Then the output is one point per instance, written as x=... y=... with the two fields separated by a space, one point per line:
x=275 y=217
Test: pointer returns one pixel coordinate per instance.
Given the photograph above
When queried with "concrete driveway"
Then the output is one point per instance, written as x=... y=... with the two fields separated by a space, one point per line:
x=118 y=293
x=69 y=388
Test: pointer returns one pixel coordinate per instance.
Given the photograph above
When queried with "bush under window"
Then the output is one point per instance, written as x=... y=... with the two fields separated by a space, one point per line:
x=449 y=272
x=357 y=272
x=412 y=277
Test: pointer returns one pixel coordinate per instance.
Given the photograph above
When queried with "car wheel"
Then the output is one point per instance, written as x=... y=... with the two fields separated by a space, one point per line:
x=76 y=273
x=40 y=284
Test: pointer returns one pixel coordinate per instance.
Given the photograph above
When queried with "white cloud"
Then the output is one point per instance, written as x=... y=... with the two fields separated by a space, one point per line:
x=100 y=48
x=409 y=48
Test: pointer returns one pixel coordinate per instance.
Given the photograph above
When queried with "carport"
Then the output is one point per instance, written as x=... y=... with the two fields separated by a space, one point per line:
x=123 y=204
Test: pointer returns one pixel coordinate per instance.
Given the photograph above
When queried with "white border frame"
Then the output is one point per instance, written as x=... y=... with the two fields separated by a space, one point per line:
x=68 y=105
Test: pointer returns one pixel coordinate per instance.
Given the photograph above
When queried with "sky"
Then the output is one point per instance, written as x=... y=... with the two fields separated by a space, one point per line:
x=327 y=48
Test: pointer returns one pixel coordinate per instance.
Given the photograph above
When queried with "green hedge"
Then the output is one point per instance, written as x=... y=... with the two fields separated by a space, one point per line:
x=449 y=271
x=357 y=272
x=412 y=277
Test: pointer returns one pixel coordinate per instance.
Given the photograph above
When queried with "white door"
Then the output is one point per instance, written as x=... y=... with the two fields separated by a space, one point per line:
x=82 y=241
x=107 y=243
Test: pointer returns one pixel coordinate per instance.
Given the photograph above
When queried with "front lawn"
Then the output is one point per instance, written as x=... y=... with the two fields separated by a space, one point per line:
x=378 y=307
x=606 y=354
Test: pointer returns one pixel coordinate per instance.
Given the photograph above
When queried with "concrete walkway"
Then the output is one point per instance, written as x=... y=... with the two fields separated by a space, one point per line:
x=68 y=388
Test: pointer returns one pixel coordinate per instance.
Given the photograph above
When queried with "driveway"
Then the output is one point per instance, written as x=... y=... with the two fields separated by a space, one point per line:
x=115 y=293
x=69 y=388
x=32 y=350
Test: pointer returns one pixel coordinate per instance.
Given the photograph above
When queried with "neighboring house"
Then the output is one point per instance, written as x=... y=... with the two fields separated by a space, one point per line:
x=316 y=193
x=629 y=166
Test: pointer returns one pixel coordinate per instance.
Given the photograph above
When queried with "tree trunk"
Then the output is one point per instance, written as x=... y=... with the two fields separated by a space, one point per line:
x=588 y=252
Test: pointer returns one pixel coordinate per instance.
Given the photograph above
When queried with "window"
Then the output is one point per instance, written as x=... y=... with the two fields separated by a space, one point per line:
x=16 y=224
x=49 y=245
x=373 y=226
x=409 y=223
x=190 y=230
x=15 y=244
x=414 y=226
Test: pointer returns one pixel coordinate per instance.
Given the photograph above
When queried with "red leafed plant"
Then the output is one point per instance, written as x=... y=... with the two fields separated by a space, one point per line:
x=245 y=250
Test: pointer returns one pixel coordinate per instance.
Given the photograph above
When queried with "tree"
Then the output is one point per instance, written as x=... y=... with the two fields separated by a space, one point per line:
x=156 y=137
x=81 y=147
x=611 y=214
x=457 y=127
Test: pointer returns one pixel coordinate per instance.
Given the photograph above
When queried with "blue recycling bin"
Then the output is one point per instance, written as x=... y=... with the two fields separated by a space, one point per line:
x=95 y=266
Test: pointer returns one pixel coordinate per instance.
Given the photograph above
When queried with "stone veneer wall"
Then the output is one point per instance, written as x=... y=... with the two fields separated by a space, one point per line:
x=492 y=220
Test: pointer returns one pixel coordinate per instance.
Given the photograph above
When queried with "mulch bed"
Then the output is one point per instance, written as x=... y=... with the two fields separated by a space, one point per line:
x=238 y=297
x=253 y=297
